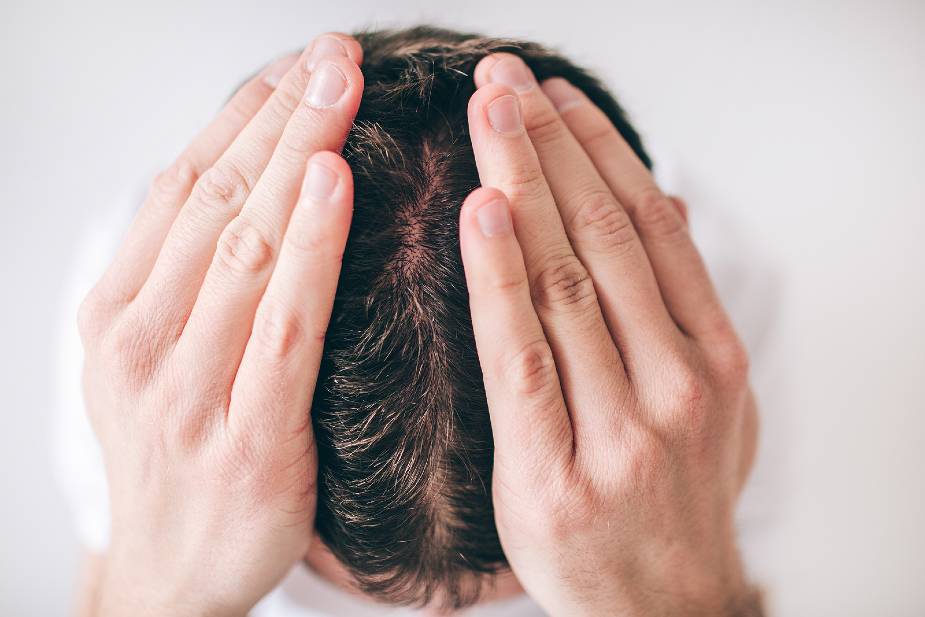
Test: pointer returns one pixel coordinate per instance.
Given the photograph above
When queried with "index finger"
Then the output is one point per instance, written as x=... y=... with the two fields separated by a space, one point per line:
x=276 y=378
x=563 y=293
x=529 y=420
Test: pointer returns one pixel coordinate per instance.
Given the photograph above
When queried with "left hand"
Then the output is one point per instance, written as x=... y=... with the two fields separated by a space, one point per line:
x=623 y=423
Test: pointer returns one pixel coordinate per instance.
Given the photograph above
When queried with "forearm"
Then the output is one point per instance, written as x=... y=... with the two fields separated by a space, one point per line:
x=88 y=584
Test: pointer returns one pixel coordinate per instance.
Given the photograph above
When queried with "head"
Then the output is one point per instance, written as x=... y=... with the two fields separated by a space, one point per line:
x=400 y=414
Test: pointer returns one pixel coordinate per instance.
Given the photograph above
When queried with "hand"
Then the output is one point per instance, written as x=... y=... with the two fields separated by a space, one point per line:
x=623 y=422
x=203 y=341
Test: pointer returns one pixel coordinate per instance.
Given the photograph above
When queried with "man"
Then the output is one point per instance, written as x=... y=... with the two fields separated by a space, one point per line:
x=536 y=391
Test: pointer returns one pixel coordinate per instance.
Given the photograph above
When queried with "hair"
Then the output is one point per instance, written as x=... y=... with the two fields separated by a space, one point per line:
x=399 y=412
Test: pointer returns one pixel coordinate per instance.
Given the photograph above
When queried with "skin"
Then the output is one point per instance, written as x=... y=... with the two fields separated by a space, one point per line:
x=623 y=422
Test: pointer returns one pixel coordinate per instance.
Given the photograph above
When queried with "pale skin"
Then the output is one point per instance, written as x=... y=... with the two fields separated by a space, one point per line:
x=618 y=393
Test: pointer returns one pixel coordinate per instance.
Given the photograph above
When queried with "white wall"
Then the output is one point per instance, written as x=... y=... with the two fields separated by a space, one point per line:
x=802 y=127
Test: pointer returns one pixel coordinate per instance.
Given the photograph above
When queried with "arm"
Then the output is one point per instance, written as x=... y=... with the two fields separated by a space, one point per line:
x=88 y=584
x=618 y=390
x=202 y=344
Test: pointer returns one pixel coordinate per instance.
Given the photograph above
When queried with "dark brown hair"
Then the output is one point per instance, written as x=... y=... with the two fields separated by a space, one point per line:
x=400 y=416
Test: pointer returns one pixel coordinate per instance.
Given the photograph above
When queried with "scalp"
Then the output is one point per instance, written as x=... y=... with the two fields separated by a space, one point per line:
x=400 y=416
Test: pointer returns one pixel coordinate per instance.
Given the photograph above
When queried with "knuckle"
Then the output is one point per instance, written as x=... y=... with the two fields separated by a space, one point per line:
x=286 y=100
x=306 y=130
x=173 y=182
x=241 y=107
x=532 y=371
x=564 y=284
x=599 y=136
x=243 y=248
x=223 y=186
x=656 y=216
x=309 y=242
x=688 y=384
x=643 y=458
x=123 y=339
x=526 y=181
x=544 y=126
x=507 y=283
x=733 y=363
x=126 y=350
x=89 y=316
x=686 y=411
x=300 y=139
x=279 y=329
x=603 y=224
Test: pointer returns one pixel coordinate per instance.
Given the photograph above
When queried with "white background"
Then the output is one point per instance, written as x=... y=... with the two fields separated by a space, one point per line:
x=803 y=126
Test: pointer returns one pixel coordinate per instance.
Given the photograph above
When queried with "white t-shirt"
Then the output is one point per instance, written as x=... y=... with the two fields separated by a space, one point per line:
x=78 y=460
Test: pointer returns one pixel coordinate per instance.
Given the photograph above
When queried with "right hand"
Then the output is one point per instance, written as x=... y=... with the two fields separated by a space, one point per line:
x=203 y=341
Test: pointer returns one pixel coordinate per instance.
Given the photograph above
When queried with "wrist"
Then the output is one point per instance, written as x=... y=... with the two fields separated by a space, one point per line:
x=744 y=603
x=730 y=596
x=127 y=589
x=738 y=601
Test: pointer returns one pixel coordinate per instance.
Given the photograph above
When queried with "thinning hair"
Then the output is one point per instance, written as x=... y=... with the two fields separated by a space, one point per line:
x=400 y=414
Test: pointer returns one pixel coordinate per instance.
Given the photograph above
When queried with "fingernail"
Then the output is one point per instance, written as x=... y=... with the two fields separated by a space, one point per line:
x=504 y=115
x=274 y=73
x=322 y=47
x=494 y=219
x=562 y=94
x=512 y=72
x=321 y=181
x=326 y=86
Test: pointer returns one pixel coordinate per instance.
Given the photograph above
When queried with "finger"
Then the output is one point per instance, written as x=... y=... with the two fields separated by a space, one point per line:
x=221 y=319
x=320 y=123
x=274 y=385
x=221 y=191
x=563 y=292
x=682 y=276
x=324 y=47
x=529 y=419
x=749 y=440
x=598 y=227
x=171 y=188
x=681 y=206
